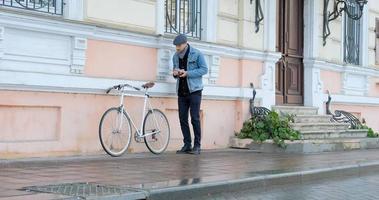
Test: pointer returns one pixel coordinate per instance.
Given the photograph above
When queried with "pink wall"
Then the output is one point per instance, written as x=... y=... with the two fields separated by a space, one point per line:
x=229 y=74
x=50 y=124
x=236 y=73
x=113 y=60
x=332 y=81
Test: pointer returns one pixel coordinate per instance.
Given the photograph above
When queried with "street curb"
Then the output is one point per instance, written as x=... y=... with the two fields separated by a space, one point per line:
x=259 y=182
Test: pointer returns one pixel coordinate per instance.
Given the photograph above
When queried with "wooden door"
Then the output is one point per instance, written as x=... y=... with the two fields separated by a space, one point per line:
x=289 y=71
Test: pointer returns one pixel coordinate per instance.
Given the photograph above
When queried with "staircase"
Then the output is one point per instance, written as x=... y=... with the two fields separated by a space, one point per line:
x=318 y=134
x=313 y=126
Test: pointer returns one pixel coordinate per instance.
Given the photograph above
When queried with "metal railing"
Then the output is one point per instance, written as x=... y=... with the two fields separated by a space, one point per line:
x=184 y=16
x=352 y=33
x=54 y=7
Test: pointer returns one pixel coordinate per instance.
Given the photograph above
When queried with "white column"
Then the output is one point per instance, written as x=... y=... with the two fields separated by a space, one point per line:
x=313 y=87
x=311 y=29
x=268 y=80
x=74 y=9
x=364 y=38
x=160 y=17
x=209 y=20
x=269 y=36
x=269 y=25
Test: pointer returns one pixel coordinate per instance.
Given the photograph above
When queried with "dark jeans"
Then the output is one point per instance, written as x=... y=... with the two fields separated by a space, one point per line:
x=192 y=103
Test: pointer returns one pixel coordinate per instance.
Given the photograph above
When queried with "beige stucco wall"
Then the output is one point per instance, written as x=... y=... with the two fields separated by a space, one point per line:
x=332 y=51
x=134 y=15
x=236 y=25
x=235 y=19
x=227 y=30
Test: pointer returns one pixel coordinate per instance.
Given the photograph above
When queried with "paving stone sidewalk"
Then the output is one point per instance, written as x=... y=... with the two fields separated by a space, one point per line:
x=146 y=171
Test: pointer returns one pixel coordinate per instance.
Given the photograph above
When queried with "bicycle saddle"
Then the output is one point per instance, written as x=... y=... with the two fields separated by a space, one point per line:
x=148 y=85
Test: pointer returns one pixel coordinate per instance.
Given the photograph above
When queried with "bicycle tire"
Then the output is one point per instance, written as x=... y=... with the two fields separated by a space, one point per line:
x=147 y=142
x=127 y=121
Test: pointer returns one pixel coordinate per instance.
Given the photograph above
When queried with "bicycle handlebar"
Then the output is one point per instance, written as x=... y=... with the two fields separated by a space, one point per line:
x=118 y=87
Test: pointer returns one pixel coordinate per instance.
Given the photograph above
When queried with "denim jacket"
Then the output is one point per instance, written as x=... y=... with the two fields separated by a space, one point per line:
x=196 y=68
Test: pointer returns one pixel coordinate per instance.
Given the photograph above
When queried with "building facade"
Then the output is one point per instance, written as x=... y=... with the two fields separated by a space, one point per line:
x=58 y=57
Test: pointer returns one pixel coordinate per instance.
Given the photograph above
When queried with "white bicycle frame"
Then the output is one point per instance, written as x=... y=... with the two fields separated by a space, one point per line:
x=146 y=103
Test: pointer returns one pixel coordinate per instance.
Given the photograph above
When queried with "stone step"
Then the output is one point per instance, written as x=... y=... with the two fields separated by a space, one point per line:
x=312 y=118
x=356 y=133
x=308 y=146
x=296 y=110
x=329 y=126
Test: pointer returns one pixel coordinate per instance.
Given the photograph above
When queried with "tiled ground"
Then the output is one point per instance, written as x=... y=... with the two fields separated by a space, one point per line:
x=147 y=170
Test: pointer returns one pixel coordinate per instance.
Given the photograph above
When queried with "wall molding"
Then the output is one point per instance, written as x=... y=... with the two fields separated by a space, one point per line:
x=325 y=65
x=89 y=31
x=352 y=100
x=29 y=81
x=355 y=84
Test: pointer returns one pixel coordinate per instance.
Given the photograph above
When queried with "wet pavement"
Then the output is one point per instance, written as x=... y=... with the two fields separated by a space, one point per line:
x=146 y=171
x=345 y=188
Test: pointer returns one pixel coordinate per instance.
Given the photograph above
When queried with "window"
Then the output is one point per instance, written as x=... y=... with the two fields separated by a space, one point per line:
x=183 y=16
x=352 y=33
x=54 y=7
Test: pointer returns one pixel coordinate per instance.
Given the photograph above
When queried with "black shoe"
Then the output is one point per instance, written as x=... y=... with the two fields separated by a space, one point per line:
x=195 y=151
x=184 y=149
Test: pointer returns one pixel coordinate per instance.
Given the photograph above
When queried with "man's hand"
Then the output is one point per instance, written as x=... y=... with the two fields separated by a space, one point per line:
x=182 y=73
x=175 y=73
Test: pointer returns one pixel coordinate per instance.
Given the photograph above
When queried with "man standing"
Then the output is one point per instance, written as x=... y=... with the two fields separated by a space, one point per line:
x=189 y=68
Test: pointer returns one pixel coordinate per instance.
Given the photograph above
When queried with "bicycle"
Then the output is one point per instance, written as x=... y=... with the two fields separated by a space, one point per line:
x=115 y=128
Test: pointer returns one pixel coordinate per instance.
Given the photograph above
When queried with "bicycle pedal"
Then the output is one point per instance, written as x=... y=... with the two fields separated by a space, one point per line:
x=137 y=138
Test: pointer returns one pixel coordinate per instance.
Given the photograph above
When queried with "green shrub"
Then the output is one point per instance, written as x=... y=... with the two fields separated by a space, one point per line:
x=370 y=133
x=271 y=126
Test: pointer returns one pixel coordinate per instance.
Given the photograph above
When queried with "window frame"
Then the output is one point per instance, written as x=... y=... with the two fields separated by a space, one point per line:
x=169 y=29
x=357 y=39
x=32 y=7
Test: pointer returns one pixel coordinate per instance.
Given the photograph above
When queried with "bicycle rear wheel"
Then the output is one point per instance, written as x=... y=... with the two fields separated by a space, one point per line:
x=157 y=131
x=115 y=138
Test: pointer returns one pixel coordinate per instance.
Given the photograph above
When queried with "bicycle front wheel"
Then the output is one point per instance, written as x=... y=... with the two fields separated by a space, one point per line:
x=115 y=132
x=156 y=130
